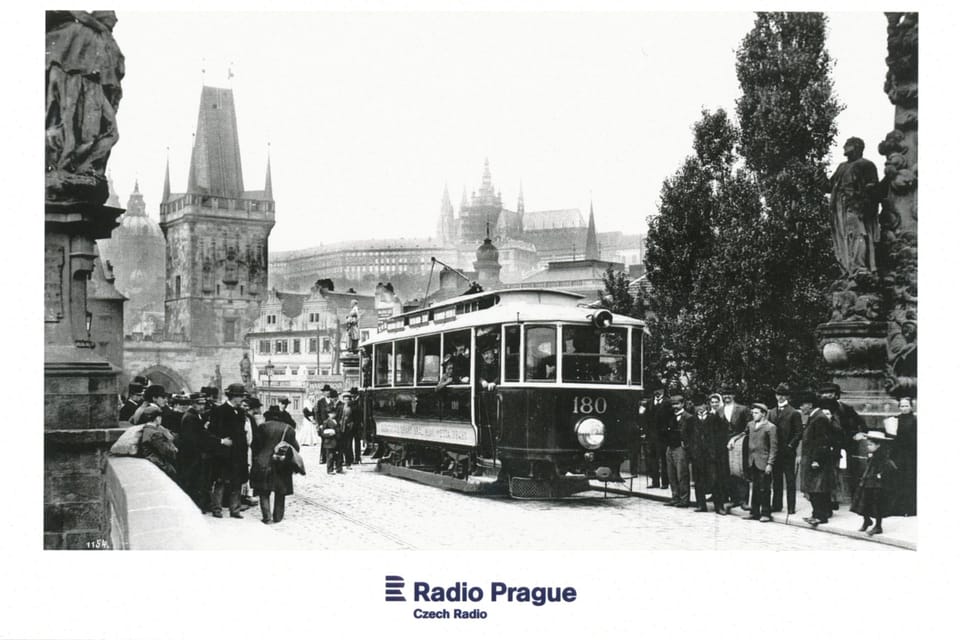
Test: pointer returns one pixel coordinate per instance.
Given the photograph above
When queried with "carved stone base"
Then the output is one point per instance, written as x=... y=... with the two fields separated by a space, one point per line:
x=856 y=354
x=80 y=390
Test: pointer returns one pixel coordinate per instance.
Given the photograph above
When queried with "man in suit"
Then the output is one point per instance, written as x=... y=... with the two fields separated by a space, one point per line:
x=678 y=465
x=229 y=464
x=850 y=424
x=735 y=417
x=762 y=452
x=789 y=432
x=195 y=444
x=707 y=449
x=656 y=416
x=133 y=401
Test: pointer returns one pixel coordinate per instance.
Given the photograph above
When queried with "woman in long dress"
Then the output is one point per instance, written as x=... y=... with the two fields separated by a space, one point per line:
x=904 y=455
x=307 y=431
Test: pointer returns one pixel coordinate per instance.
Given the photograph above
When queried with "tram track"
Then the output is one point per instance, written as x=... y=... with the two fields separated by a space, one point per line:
x=380 y=531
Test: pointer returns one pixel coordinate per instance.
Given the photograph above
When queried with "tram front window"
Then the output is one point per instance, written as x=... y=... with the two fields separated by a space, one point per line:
x=541 y=354
x=592 y=355
x=404 y=362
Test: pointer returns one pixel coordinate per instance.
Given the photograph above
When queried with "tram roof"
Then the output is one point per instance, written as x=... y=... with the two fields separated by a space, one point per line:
x=505 y=306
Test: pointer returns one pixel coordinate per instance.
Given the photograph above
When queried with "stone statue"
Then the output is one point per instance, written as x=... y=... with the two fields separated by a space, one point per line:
x=352 y=326
x=84 y=70
x=853 y=208
x=245 y=370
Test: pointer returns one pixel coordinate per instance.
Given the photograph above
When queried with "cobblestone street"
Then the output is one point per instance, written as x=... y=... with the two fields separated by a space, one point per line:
x=362 y=509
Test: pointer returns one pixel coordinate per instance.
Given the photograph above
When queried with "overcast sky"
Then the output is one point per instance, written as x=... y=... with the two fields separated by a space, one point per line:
x=369 y=115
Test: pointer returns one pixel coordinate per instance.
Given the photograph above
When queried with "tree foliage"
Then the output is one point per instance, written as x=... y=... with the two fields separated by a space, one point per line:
x=739 y=256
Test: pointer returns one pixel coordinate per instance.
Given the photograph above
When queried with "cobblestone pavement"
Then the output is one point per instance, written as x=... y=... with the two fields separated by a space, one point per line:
x=363 y=509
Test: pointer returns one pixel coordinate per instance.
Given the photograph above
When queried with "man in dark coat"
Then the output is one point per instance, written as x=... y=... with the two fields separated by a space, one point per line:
x=196 y=445
x=678 y=464
x=789 y=432
x=133 y=401
x=735 y=417
x=818 y=453
x=762 y=447
x=284 y=415
x=272 y=473
x=850 y=424
x=656 y=417
x=157 y=442
x=229 y=462
x=706 y=447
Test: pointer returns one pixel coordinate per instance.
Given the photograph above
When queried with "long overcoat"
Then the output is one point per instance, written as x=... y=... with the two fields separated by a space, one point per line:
x=876 y=494
x=904 y=454
x=819 y=443
x=229 y=463
x=707 y=447
x=265 y=474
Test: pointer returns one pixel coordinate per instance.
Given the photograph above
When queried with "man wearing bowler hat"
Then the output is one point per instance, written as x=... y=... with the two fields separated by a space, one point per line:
x=229 y=462
x=789 y=432
x=762 y=453
x=133 y=401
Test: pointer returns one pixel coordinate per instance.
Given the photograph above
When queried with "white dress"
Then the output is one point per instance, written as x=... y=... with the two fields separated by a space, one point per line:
x=307 y=433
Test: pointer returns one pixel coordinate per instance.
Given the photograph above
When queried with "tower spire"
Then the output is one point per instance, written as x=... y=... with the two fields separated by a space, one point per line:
x=268 y=182
x=166 y=180
x=592 y=250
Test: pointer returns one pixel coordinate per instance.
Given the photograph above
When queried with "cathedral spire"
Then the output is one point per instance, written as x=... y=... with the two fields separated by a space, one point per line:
x=166 y=180
x=268 y=182
x=592 y=250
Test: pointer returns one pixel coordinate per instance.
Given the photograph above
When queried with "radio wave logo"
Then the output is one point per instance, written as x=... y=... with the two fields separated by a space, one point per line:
x=393 y=585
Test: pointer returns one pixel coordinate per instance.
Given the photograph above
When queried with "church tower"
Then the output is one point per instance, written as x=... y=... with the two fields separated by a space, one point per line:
x=592 y=251
x=216 y=236
x=446 y=233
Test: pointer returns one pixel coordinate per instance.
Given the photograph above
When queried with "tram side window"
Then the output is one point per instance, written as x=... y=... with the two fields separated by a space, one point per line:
x=383 y=364
x=541 y=356
x=428 y=359
x=488 y=352
x=636 y=357
x=592 y=355
x=456 y=347
x=404 y=362
x=511 y=354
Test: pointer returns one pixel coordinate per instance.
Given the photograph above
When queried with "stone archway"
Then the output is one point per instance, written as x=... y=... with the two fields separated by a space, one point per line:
x=172 y=381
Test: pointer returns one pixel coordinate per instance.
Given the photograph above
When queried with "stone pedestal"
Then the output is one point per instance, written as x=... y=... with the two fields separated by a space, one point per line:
x=80 y=387
x=856 y=353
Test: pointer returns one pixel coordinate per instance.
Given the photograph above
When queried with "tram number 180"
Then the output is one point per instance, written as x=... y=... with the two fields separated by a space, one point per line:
x=587 y=404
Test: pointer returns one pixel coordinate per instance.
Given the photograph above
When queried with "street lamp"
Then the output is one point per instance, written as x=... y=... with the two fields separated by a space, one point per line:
x=269 y=369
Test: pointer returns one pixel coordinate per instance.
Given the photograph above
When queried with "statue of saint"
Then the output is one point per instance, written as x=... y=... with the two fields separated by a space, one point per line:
x=352 y=326
x=84 y=70
x=853 y=208
x=245 y=370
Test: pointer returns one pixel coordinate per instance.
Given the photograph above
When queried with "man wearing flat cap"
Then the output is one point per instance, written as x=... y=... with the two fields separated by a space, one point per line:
x=229 y=462
x=762 y=453
x=789 y=431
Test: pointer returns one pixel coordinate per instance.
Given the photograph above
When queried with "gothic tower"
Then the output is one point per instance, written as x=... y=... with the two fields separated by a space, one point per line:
x=216 y=236
x=484 y=208
x=446 y=234
x=592 y=251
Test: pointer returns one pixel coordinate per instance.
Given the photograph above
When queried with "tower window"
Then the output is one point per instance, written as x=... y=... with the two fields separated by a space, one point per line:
x=177 y=295
x=230 y=330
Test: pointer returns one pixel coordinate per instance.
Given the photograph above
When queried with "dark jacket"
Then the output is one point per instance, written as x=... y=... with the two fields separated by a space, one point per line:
x=286 y=417
x=904 y=454
x=229 y=463
x=657 y=419
x=819 y=445
x=707 y=448
x=789 y=431
x=875 y=496
x=762 y=444
x=266 y=475
x=128 y=409
x=678 y=430
x=739 y=419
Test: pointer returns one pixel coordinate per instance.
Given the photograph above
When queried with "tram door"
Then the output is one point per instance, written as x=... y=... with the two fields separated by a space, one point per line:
x=487 y=376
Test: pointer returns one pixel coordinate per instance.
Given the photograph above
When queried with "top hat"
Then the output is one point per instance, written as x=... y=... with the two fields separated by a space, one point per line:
x=761 y=406
x=134 y=389
x=235 y=389
x=782 y=389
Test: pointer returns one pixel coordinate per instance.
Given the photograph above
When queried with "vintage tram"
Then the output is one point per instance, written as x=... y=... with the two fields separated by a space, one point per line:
x=529 y=389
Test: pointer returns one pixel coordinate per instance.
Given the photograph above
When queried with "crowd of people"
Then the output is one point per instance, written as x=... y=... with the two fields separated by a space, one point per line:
x=749 y=457
x=222 y=454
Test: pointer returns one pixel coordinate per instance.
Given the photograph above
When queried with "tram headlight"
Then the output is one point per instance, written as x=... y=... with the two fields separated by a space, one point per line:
x=590 y=433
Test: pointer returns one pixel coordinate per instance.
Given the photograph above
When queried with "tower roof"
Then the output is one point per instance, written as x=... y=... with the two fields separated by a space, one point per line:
x=592 y=251
x=215 y=161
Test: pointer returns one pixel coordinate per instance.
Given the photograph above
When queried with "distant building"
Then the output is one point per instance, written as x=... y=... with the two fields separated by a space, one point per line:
x=299 y=343
x=216 y=236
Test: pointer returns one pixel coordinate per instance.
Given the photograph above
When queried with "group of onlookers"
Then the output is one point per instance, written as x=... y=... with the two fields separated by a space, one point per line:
x=337 y=419
x=748 y=457
x=219 y=453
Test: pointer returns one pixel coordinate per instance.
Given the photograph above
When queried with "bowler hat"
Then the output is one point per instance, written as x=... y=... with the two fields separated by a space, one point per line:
x=235 y=389
x=253 y=402
x=134 y=389
x=829 y=387
x=326 y=387
x=155 y=391
x=761 y=406
x=284 y=400
x=142 y=381
x=354 y=391
x=782 y=389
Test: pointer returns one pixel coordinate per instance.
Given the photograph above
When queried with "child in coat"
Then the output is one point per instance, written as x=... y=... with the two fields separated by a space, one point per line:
x=873 y=498
x=330 y=432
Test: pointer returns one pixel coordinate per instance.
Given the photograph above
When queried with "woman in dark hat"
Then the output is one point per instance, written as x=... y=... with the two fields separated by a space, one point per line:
x=904 y=454
x=873 y=498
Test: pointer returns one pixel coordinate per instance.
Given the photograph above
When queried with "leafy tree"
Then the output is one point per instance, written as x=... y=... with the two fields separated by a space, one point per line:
x=739 y=255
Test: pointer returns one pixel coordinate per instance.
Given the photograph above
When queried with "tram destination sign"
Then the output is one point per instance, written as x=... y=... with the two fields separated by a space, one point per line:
x=445 y=432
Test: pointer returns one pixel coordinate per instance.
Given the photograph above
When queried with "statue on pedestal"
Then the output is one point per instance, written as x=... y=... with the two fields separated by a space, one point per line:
x=84 y=69
x=245 y=376
x=853 y=206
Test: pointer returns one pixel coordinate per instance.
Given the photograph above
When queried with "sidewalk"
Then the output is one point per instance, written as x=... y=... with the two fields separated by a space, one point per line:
x=898 y=531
